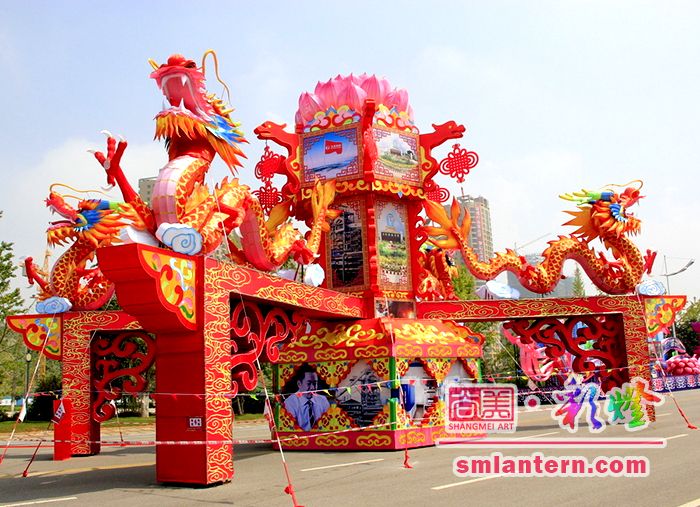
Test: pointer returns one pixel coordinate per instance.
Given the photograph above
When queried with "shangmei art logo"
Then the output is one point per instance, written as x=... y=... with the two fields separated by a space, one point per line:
x=625 y=405
x=490 y=408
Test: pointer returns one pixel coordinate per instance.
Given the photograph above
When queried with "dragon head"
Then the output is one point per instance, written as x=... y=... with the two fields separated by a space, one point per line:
x=604 y=214
x=192 y=116
x=96 y=221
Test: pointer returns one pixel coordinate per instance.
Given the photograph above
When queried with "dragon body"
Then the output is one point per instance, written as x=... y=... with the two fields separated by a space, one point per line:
x=74 y=277
x=184 y=214
x=600 y=215
x=435 y=277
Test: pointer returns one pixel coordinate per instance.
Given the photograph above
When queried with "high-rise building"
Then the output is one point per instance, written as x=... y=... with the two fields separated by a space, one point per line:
x=480 y=236
x=146 y=189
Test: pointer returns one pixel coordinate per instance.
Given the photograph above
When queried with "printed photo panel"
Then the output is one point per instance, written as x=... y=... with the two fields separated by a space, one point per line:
x=304 y=398
x=331 y=154
x=359 y=395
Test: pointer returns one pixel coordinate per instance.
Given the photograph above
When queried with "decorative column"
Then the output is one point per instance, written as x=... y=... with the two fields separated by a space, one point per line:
x=66 y=337
x=167 y=293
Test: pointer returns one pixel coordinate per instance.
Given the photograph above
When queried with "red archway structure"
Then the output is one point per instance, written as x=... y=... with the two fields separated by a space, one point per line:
x=210 y=334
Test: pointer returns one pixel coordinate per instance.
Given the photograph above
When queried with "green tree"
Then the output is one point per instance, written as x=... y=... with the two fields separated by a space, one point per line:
x=12 y=351
x=498 y=352
x=578 y=287
x=464 y=284
x=684 y=330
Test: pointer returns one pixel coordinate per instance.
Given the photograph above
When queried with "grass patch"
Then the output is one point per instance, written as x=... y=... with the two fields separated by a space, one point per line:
x=24 y=427
x=249 y=417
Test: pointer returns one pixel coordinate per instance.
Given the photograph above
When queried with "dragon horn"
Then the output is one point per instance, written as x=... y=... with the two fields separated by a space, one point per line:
x=216 y=70
x=153 y=63
x=611 y=185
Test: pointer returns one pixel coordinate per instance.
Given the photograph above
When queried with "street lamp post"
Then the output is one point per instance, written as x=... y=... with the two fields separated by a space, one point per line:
x=668 y=285
x=27 y=358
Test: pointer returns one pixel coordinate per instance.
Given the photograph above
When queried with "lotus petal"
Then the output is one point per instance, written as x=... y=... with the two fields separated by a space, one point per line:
x=325 y=93
x=409 y=111
x=358 y=80
x=309 y=105
x=376 y=88
x=352 y=96
x=397 y=98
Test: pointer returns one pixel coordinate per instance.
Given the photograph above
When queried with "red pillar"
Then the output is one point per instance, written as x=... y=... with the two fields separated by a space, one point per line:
x=179 y=300
x=77 y=382
x=62 y=431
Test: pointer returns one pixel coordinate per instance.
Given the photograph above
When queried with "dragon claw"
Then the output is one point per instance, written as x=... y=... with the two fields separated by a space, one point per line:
x=107 y=133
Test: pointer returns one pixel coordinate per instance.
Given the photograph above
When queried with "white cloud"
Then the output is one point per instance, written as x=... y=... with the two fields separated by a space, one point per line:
x=25 y=217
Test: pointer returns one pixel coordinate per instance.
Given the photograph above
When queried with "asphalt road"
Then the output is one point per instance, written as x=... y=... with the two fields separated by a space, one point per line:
x=126 y=476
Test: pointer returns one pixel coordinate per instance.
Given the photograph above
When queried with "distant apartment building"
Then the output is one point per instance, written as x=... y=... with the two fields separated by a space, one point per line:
x=146 y=189
x=480 y=235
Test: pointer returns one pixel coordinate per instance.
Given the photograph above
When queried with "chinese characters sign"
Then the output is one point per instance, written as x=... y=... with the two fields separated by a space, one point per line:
x=624 y=405
x=490 y=408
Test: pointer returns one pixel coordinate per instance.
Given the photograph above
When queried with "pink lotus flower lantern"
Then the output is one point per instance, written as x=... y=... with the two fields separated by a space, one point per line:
x=351 y=91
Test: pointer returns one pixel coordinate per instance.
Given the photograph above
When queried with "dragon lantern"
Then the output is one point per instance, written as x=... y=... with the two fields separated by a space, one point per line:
x=358 y=169
x=74 y=281
x=184 y=214
x=600 y=215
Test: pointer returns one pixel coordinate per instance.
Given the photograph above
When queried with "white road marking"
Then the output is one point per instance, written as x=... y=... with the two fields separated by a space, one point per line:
x=538 y=435
x=692 y=503
x=677 y=436
x=452 y=485
x=37 y=502
x=342 y=465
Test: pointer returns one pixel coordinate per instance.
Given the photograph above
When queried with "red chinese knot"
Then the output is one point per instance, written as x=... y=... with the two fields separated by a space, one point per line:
x=458 y=163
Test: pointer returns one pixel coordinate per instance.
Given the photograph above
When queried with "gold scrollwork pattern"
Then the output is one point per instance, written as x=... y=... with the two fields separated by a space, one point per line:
x=381 y=367
x=342 y=334
x=427 y=334
x=287 y=421
x=409 y=350
x=292 y=356
x=333 y=372
x=412 y=437
x=217 y=376
x=295 y=442
x=439 y=351
x=403 y=420
x=371 y=351
x=332 y=441
x=435 y=416
x=506 y=308
x=331 y=354
x=334 y=419
x=286 y=372
x=395 y=295
x=402 y=365
x=373 y=440
x=309 y=297
x=468 y=351
x=438 y=367
x=231 y=277
x=383 y=417
x=219 y=463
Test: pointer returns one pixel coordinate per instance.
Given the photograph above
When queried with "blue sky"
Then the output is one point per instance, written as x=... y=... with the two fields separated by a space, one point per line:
x=556 y=96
